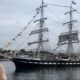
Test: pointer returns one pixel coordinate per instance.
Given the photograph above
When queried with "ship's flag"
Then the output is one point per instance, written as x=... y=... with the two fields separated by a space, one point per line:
x=73 y=2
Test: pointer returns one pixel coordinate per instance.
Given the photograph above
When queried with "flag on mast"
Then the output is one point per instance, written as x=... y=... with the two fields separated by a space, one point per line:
x=73 y=2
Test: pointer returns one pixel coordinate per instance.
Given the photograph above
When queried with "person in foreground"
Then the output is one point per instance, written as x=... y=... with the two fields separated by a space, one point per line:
x=2 y=73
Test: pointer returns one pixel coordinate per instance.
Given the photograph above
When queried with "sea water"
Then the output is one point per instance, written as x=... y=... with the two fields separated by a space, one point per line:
x=41 y=74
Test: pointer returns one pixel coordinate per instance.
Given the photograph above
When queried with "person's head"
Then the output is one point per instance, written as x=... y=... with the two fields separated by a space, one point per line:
x=2 y=73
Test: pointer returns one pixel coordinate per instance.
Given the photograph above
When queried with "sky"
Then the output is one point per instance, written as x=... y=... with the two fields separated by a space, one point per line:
x=15 y=14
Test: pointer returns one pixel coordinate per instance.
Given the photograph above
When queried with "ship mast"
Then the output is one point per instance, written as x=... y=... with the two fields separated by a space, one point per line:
x=40 y=45
x=70 y=44
x=40 y=30
x=42 y=20
x=71 y=36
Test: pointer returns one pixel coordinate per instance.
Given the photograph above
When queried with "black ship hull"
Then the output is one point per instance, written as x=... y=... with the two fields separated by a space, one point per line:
x=26 y=63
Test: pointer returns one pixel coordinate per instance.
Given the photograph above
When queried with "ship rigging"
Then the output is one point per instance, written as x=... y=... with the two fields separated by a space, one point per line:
x=68 y=38
x=42 y=57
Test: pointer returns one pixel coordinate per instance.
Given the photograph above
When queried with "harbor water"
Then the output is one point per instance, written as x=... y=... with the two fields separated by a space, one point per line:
x=41 y=74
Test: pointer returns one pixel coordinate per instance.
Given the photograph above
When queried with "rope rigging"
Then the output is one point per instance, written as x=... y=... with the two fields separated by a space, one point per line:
x=29 y=23
x=63 y=6
x=58 y=5
x=72 y=3
x=24 y=42
x=20 y=33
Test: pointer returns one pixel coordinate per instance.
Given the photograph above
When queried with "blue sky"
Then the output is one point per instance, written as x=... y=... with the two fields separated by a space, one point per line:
x=15 y=14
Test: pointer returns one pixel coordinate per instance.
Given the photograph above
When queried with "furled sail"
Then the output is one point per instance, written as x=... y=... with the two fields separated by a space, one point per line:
x=65 y=37
x=39 y=31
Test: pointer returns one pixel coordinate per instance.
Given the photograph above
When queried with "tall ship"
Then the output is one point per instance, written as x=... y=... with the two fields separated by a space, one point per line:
x=45 y=58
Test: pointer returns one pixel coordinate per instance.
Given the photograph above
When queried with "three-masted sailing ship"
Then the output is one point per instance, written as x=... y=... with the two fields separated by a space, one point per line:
x=42 y=58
